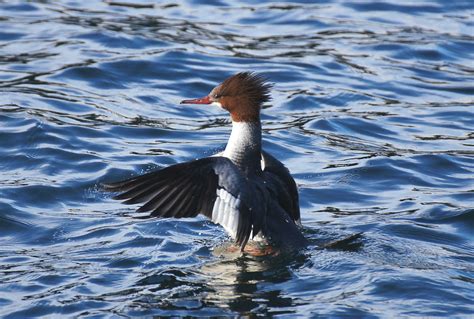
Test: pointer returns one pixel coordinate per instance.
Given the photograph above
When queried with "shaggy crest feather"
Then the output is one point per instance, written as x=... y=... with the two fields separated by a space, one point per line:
x=243 y=95
x=253 y=85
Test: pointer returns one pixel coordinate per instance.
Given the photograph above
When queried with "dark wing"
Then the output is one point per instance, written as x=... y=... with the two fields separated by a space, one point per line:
x=212 y=186
x=282 y=184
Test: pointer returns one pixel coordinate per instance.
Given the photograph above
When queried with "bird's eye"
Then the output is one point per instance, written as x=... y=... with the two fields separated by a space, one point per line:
x=217 y=96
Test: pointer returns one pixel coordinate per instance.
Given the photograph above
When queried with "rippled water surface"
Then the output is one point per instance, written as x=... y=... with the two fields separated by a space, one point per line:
x=372 y=112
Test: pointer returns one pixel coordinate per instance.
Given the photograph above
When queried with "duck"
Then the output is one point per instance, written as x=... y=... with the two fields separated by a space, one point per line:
x=247 y=191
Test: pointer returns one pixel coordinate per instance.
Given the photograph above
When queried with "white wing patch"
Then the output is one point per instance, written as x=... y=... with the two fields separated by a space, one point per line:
x=262 y=162
x=226 y=211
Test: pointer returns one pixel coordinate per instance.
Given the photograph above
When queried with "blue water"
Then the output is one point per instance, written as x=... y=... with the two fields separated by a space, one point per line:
x=372 y=112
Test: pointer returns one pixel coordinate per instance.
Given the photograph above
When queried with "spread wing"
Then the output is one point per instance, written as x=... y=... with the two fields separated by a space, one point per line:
x=212 y=186
x=282 y=184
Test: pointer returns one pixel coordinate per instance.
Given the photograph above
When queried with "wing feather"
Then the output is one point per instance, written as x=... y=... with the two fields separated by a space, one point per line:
x=212 y=186
x=283 y=186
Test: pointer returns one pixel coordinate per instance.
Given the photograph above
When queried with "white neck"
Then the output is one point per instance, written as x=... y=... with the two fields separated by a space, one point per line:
x=244 y=147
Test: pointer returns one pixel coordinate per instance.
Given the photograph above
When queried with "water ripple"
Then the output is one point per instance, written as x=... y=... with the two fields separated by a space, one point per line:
x=372 y=112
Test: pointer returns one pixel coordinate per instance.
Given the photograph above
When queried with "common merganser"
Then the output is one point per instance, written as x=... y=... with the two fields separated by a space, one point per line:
x=244 y=189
